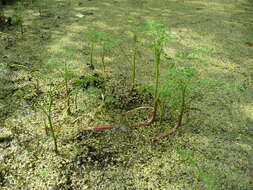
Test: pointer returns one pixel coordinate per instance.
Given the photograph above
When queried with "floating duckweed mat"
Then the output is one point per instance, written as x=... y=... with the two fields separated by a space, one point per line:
x=213 y=148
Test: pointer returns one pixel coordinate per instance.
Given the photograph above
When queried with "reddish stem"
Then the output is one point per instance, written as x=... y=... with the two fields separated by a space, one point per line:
x=249 y=43
x=180 y=118
x=105 y=127
x=149 y=122
x=168 y=133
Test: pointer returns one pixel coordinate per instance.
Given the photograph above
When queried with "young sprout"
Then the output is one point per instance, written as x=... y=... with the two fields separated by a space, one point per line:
x=18 y=15
x=180 y=87
x=67 y=75
x=105 y=43
x=134 y=56
x=131 y=56
x=59 y=67
x=93 y=37
x=48 y=112
x=157 y=33
x=67 y=72
x=136 y=30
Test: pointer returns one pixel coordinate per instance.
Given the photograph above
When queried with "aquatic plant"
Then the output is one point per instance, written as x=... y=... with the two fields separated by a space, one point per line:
x=157 y=35
x=179 y=88
x=47 y=110
x=18 y=16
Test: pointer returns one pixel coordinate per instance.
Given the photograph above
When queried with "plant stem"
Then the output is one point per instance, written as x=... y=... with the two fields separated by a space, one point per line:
x=134 y=61
x=157 y=68
x=76 y=97
x=21 y=28
x=91 y=56
x=162 y=111
x=68 y=97
x=46 y=127
x=49 y=117
x=103 y=57
x=180 y=117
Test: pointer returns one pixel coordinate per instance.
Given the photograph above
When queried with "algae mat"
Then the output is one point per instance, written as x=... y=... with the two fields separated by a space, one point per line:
x=212 y=150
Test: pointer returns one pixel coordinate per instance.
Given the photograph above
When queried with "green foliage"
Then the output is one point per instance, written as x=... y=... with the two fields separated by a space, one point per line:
x=18 y=16
x=47 y=109
x=101 y=40
x=106 y=43
x=92 y=35
x=131 y=54
x=177 y=79
x=185 y=55
x=157 y=33
x=58 y=67
x=5 y=138
x=87 y=82
x=18 y=13
x=93 y=38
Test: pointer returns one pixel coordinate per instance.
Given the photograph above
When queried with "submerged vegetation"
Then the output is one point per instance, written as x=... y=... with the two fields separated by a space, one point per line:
x=126 y=95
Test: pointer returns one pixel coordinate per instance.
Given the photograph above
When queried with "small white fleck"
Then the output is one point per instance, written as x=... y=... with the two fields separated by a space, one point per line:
x=80 y=15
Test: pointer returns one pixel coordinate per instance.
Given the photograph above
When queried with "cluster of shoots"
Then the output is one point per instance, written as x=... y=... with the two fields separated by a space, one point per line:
x=18 y=16
x=157 y=34
x=101 y=40
x=132 y=58
x=177 y=86
x=60 y=67
x=174 y=91
x=177 y=91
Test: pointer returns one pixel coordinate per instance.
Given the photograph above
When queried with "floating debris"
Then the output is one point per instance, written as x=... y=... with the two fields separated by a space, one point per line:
x=79 y=15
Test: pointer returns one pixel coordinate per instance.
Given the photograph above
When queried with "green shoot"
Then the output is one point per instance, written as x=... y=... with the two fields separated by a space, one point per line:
x=67 y=72
x=136 y=29
x=59 y=67
x=134 y=55
x=94 y=38
x=18 y=15
x=105 y=43
x=179 y=89
x=48 y=112
x=158 y=35
x=67 y=75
